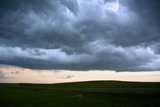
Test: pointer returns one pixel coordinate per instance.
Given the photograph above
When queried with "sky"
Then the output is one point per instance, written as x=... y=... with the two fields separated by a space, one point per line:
x=12 y=74
x=80 y=35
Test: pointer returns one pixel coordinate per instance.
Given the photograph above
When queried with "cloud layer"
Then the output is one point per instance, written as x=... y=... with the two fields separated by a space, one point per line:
x=80 y=35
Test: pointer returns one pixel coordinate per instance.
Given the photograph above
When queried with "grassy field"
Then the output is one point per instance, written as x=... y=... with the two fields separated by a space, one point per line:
x=81 y=94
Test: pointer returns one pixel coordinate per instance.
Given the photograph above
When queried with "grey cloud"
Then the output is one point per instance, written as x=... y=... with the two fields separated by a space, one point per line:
x=80 y=35
x=72 y=5
x=2 y=74
x=15 y=72
x=65 y=76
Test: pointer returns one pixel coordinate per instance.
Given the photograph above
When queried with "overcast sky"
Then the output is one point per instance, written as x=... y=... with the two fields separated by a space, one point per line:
x=81 y=34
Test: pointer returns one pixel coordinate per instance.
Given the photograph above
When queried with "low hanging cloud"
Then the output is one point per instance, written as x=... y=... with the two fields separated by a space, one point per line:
x=80 y=35
x=2 y=74
x=65 y=76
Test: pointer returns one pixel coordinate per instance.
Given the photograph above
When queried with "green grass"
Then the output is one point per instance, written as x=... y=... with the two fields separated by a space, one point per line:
x=42 y=95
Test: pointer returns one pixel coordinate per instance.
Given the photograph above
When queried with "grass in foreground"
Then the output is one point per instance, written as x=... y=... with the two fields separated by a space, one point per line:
x=45 y=95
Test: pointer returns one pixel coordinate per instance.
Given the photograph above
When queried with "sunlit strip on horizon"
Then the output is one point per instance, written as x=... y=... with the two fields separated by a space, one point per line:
x=22 y=75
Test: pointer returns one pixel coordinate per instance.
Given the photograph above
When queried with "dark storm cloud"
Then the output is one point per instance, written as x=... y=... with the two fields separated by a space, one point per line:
x=80 y=34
